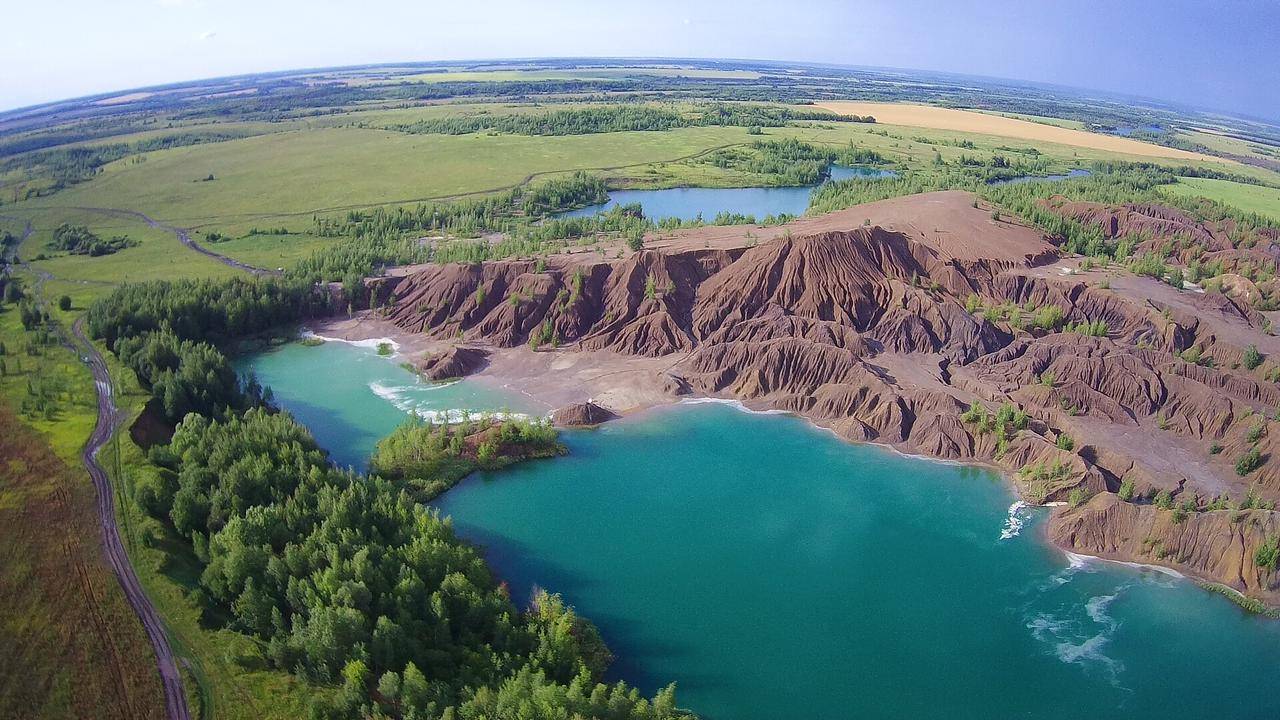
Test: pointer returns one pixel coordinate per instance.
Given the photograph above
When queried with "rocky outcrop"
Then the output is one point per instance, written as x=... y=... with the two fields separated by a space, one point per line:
x=1219 y=546
x=455 y=362
x=1073 y=388
x=581 y=415
x=1152 y=226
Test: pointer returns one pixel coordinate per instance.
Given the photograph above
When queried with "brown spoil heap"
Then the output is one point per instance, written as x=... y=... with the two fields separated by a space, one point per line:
x=581 y=415
x=890 y=335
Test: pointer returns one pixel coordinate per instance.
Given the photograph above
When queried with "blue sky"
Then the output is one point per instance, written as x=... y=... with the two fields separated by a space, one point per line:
x=1221 y=55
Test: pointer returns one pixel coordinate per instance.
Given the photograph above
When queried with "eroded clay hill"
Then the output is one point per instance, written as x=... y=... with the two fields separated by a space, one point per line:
x=914 y=337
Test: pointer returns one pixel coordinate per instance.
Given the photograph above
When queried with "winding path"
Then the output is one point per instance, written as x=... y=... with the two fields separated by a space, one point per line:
x=184 y=237
x=109 y=421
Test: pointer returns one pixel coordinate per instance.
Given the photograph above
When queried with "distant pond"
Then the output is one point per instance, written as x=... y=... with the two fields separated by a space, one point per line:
x=1040 y=178
x=689 y=203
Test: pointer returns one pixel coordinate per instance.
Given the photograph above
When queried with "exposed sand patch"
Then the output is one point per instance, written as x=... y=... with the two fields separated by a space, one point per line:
x=550 y=379
x=554 y=379
x=936 y=118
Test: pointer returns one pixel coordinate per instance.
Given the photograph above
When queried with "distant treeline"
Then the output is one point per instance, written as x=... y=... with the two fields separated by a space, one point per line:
x=790 y=162
x=65 y=166
x=385 y=236
x=619 y=118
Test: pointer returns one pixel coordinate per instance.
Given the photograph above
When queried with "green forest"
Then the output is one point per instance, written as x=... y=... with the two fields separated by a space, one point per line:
x=346 y=579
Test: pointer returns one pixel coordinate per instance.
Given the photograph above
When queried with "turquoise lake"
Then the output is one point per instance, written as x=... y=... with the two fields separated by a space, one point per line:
x=774 y=571
x=690 y=203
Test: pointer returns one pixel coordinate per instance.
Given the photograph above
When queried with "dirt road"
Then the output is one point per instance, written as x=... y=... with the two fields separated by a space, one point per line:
x=109 y=420
x=184 y=237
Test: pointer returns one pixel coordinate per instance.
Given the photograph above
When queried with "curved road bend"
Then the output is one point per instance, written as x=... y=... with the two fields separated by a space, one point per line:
x=184 y=237
x=109 y=421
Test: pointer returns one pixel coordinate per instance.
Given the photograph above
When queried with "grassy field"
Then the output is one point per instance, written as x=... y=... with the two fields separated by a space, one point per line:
x=73 y=647
x=1056 y=122
x=158 y=255
x=348 y=161
x=295 y=174
x=1234 y=146
x=1250 y=198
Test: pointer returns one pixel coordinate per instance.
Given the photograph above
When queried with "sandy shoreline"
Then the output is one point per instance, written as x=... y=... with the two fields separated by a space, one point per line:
x=631 y=385
x=550 y=379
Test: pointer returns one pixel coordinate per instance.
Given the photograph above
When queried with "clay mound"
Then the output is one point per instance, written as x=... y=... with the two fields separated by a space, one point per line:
x=1152 y=226
x=945 y=221
x=455 y=362
x=582 y=415
x=921 y=332
x=1219 y=546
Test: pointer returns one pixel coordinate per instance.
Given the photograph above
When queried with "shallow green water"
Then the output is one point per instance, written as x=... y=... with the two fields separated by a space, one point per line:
x=350 y=397
x=775 y=571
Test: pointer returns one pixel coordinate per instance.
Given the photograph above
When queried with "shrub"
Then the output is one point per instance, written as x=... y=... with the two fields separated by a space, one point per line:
x=1164 y=500
x=975 y=414
x=1215 y=448
x=64 y=303
x=1252 y=358
x=1248 y=462
x=1268 y=553
x=1257 y=431
x=1049 y=317
x=1126 y=489
x=1077 y=497
x=1065 y=442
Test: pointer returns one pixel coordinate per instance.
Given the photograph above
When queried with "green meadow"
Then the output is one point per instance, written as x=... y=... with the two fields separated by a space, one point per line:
x=1250 y=198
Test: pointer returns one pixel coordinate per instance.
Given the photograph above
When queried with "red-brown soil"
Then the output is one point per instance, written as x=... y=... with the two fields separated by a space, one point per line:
x=868 y=329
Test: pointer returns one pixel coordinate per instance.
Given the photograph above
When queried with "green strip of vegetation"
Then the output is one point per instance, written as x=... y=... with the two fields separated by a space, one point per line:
x=621 y=118
x=341 y=579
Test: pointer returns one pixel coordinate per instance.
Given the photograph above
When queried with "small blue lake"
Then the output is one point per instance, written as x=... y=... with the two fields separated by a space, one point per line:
x=689 y=203
x=1127 y=130
x=1041 y=178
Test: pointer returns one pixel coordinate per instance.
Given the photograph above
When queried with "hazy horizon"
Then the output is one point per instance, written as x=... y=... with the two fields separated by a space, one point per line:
x=1143 y=49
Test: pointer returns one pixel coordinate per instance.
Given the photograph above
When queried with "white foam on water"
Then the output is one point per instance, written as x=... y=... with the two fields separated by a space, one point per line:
x=372 y=343
x=1097 y=608
x=1077 y=561
x=1044 y=625
x=735 y=404
x=401 y=397
x=1013 y=523
x=1082 y=641
x=393 y=395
